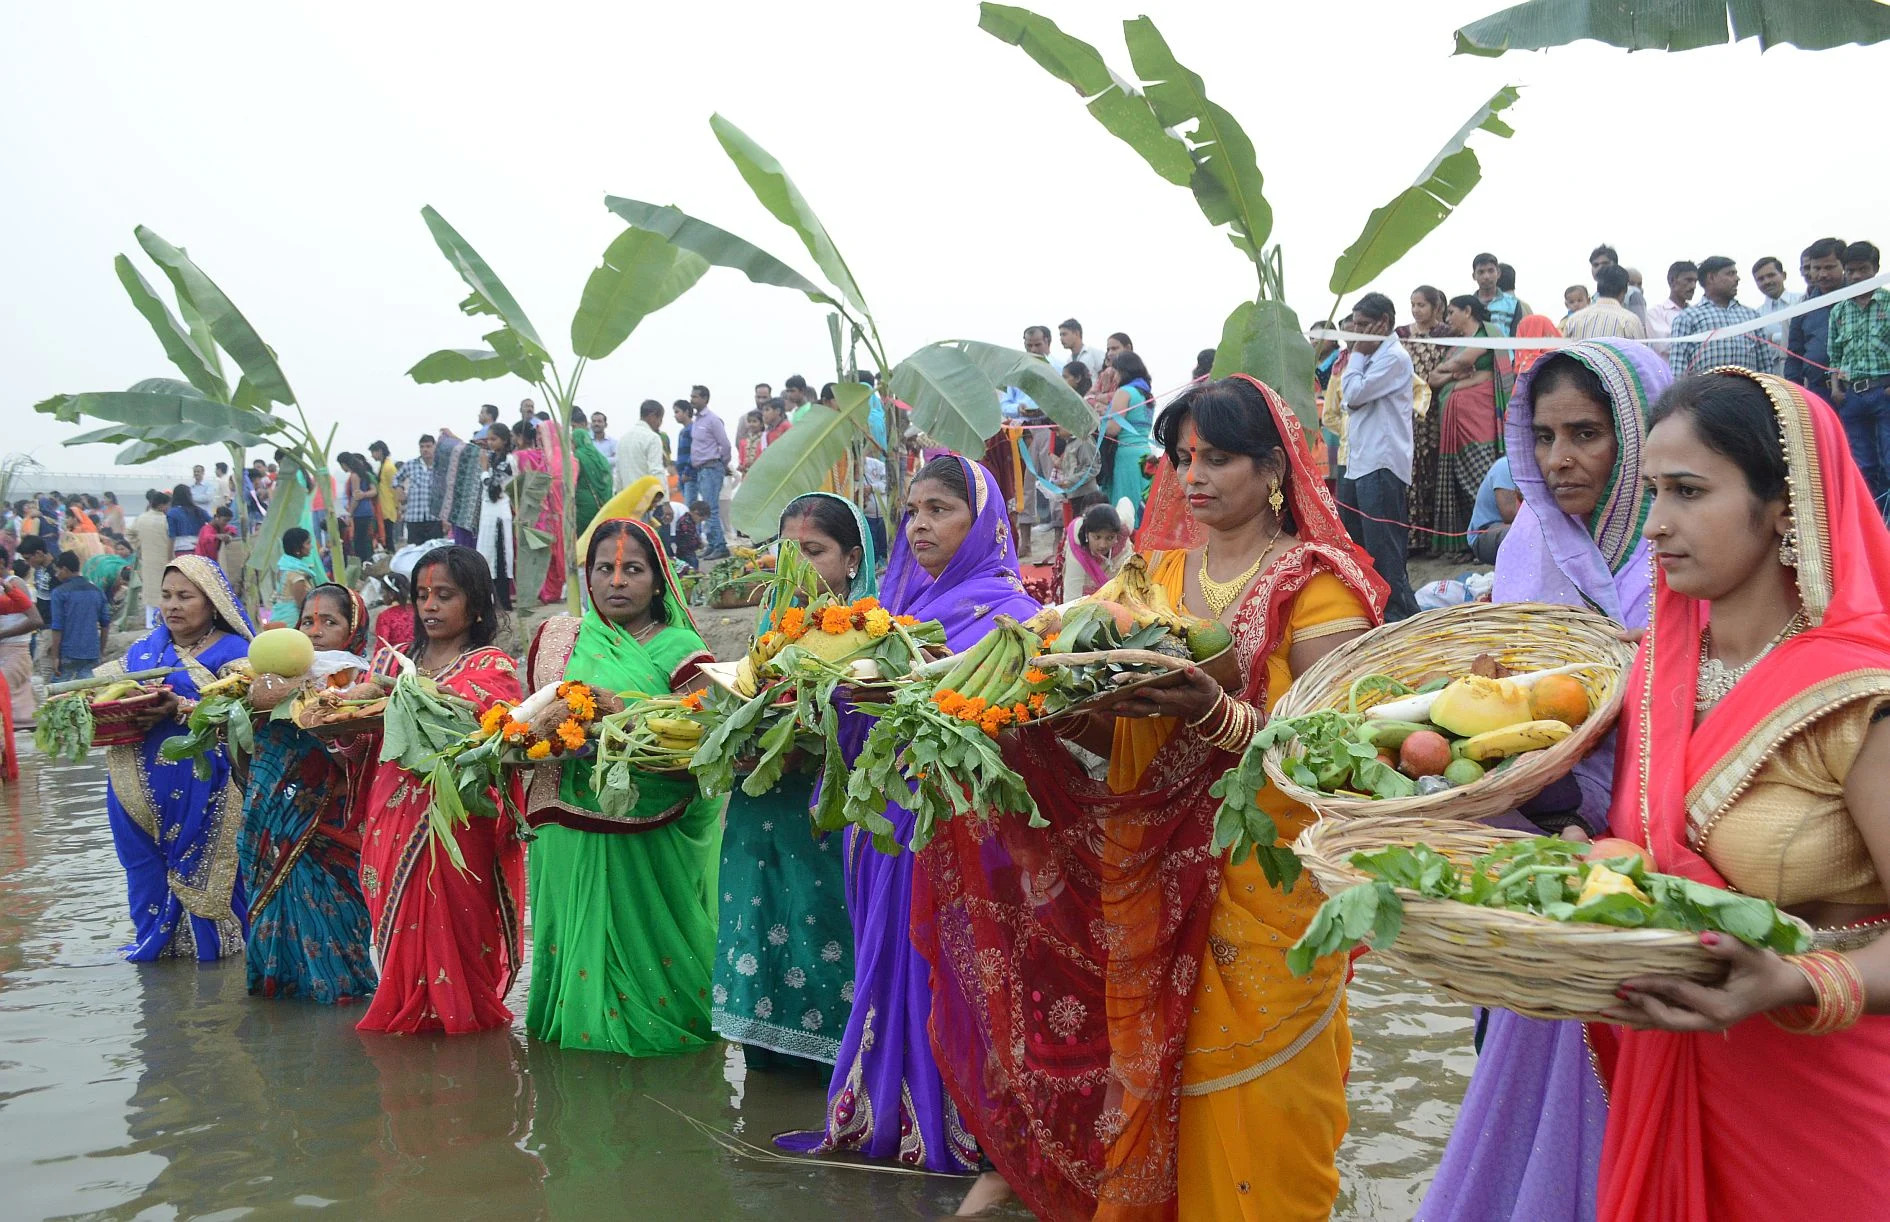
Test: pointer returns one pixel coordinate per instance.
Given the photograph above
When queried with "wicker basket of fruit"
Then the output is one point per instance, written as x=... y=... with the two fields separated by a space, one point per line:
x=1494 y=917
x=117 y=718
x=1464 y=712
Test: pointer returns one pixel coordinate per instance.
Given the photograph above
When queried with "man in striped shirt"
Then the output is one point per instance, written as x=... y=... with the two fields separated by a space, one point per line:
x=1607 y=316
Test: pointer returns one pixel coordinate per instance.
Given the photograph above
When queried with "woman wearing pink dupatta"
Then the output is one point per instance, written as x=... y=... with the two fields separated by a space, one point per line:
x=1750 y=757
x=546 y=454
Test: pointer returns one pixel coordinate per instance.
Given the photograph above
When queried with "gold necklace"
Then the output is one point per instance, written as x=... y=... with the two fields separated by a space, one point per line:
x=1716 y=680
x=1220 y=595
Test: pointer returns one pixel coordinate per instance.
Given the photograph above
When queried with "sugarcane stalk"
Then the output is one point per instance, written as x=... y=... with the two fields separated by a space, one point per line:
x=81 y=685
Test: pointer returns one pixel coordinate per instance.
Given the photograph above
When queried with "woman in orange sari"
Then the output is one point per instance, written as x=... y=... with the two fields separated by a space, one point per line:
x=1752 y=755
x=448 y=940
x=1111 y=1006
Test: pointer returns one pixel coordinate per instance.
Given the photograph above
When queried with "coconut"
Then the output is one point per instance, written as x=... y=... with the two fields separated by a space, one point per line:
x=282 y=651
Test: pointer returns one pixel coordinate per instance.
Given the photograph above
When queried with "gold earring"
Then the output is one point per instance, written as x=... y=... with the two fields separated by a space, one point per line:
x=1276 y=499
x=1788 y=547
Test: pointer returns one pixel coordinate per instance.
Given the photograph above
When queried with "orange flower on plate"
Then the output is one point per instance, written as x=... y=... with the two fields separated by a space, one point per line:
x=692 y=701
x=1020 y=714
x=1035 y=677
x=492 y=719
x=905 y=621
x=836 y=619
x=948 y=701
x=538 y=751
x=794 y=623
x=869 y=603
x=581 y=702
x=515 y=730
x=1036 y=703
x=571 y=734
x=971 y=709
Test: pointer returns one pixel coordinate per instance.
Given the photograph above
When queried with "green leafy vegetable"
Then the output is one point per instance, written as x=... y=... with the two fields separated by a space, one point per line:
x=1541 y=875
x=217 y=718
x=63 y=729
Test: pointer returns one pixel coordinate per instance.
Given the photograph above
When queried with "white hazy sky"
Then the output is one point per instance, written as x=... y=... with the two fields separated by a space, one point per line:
x=291 y=146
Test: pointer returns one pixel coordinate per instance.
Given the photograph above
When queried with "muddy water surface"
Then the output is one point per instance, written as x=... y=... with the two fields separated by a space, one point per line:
x=163 y=1091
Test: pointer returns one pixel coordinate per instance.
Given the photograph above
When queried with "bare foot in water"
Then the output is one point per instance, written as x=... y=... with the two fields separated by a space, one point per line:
x=990 y=1191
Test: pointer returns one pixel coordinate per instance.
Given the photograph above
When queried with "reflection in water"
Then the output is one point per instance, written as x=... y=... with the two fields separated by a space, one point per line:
x=163 y=1090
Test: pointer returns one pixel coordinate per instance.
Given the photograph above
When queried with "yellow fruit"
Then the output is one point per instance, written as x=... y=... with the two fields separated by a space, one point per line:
x=835 y=646
x=1514 y=740
x=1559 y=698
x=675 y=729
x=1603 y=881
x=746 y=684
x=282 y=651
x=1474 y=705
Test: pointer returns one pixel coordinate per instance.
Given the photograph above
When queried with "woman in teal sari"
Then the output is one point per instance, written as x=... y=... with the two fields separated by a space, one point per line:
x=784 y=958
x=623 y=909
x=1130 y=424
x=301 y=838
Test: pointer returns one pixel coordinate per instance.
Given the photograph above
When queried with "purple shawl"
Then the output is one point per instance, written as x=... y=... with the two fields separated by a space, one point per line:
x=980 y=580
x=1551 y=556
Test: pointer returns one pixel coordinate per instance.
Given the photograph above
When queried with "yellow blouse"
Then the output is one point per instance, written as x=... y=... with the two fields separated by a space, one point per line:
x=1787 y=836
x=1251 y=1015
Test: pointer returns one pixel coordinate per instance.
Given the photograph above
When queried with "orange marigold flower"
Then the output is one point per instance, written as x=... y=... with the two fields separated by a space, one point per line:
x=971 y=709
x=1020 y=714
x=948 y=701
x=1034 y=677
x=581 y=702
x=835 y=620
x=1050 y=640
x=905 y=621
x=571 y=734
x=1036 y=703
x=794 y=623
x=515 y=730
x=492 y=719
x=692 y=701
x=538 y=751
x=869 y=603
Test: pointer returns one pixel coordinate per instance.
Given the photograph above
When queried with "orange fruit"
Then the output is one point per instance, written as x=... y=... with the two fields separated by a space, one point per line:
x=1559 y=698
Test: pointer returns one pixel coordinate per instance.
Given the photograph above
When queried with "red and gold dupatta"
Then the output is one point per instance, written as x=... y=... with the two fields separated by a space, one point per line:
x=1698 y=1123
x=1058 y=1026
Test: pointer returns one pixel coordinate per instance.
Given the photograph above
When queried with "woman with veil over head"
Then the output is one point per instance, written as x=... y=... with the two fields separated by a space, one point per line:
x=176 y=835
x=952 y=562
x=784 y=953
x=1527 y=1140
x=1111 y=1003
x=1752 y=755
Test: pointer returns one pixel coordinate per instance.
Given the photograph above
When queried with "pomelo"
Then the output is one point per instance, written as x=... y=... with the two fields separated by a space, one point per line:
x=281 y=651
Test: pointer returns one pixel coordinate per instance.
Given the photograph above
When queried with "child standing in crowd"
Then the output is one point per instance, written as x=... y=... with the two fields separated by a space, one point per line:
x=688 y=532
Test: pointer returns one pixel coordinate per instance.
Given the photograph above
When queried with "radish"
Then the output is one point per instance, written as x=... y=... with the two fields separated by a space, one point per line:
x=1418 y=707
x=535 y=703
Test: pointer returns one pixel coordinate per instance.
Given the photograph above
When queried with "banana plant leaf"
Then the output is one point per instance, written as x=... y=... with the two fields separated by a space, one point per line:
x=1227 y=183
x=227 y=324
x=1116 y=104
x=641 y=273
x=718 y=246
x=1034 y=376
x=520 y=356
x=163 y=412
x=800 y=460
x=490 y=296
x=1676 y=25
x=783 y=199
x=459 y=365
x=178 y=343
x=1393 y=229
x=205 y=342
x=1263 y=339
x=952 y=400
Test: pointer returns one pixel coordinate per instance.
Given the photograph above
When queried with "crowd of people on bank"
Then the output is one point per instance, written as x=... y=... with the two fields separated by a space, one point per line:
x=1096 y=1014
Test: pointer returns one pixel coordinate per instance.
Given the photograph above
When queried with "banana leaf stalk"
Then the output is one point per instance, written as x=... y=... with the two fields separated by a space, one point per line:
x=82 y=685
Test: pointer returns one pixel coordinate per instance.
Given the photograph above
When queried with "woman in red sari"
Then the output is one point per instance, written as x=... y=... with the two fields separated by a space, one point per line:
x=1752 y=756
x=448 y=939
x=1110 y=1006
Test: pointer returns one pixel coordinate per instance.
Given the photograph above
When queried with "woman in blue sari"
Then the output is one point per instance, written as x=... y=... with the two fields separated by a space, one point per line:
x=953 y=563
x=1130 y=424
x=176 y=835
x=301 y=838
x=784 y=964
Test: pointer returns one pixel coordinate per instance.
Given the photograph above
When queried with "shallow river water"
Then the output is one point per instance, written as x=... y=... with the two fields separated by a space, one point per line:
x=163 y=1091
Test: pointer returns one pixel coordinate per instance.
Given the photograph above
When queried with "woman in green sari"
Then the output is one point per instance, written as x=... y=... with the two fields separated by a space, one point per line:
x=623 y=909
x=784 y=958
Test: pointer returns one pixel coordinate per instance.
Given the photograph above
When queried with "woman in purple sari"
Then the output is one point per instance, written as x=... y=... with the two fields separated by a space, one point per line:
x=1527 y=1143
x=952 y=562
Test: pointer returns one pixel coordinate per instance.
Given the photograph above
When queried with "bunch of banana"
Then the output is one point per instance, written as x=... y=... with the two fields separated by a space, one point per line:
x=1145 y=600
x=660 y=734
x=992 y=670
x=236 y=682
x=114 y=691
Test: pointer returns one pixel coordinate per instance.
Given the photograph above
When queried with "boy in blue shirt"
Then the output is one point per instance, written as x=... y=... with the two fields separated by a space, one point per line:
x=81 y=618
